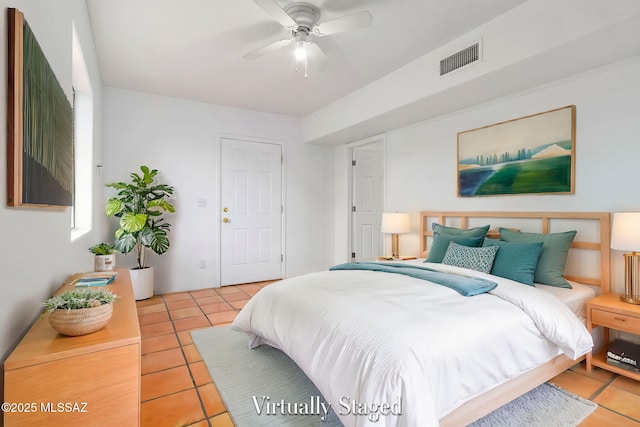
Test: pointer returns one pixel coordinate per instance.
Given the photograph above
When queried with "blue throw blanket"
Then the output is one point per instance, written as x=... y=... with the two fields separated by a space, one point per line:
x=466 y=286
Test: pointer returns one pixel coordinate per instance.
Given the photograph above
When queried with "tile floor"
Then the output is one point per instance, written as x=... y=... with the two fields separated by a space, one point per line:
x=177 y=390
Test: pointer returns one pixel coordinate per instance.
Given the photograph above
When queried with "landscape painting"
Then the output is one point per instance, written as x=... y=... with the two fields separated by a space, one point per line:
x=529 y=155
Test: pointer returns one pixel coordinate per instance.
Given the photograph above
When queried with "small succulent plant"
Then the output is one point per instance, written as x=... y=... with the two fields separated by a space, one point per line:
x=102 y=249
x=79 y=298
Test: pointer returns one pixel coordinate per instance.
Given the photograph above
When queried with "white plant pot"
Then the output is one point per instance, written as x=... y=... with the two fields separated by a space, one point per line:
x=142 y=283
x=104 y=262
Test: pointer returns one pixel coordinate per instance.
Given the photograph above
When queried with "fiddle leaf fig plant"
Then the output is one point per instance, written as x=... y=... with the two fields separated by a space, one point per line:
x=140 y=205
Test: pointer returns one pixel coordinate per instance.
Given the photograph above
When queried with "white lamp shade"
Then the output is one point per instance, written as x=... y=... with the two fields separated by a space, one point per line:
x=395 y=223
x=625 y=235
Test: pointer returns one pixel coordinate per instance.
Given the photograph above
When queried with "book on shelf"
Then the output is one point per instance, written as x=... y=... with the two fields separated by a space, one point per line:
x=625 y=354
x=614 y=362
x=99 y=278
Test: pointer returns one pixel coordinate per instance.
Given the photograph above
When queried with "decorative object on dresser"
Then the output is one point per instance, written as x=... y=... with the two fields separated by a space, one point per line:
x=80 y=311
x=97 y=278
x=140 y=205
x=40 y=147
x=395 y=223
x=625 y=236
x=105 y=257
x=532 y=154
x=98 y=373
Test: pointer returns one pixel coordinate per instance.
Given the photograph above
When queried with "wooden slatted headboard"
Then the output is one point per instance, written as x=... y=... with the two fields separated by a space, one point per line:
x=539 y=222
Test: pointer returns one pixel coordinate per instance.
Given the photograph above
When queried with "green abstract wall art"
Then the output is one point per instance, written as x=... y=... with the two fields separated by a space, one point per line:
x=529 y=155
x=40 y=151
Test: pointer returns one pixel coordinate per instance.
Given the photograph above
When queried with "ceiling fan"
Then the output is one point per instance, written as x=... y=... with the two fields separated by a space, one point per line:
x=301 y=20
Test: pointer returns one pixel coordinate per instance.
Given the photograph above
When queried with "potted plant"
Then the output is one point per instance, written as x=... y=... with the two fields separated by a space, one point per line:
x=80 y=311
x=105 y=257
x=140 y=205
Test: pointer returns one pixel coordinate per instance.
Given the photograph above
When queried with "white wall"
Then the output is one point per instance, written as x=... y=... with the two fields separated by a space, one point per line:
x=421 y=159
x=182 y=140
x=535 y=43
x=37 y=251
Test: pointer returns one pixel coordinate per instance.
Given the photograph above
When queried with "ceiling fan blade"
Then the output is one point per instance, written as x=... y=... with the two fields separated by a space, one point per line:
x=276 y=12
x=350 y=22
x=266 y=49
x=316 y=55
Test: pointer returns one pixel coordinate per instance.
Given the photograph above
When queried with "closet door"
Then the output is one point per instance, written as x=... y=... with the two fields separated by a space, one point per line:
x=368 y=195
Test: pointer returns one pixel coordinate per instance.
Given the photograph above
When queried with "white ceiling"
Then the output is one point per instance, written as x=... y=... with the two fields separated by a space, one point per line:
x=194 y=49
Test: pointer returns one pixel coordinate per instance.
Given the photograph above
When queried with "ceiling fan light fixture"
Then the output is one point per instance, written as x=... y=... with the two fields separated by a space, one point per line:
x=301 y=56
x=300 y=49
x=301 y=53
x=302 y=20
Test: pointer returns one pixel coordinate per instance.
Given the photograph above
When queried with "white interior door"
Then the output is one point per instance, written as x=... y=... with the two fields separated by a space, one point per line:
x=368 y=198
x=251 y=217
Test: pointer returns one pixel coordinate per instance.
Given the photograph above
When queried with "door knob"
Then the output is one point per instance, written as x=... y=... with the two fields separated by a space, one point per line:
x=225 y=219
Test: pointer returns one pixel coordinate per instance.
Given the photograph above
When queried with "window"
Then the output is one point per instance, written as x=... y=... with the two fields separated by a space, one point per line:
x=81 y=210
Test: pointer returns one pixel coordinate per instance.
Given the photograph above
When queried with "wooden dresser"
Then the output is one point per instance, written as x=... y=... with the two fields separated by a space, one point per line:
x=90 y=380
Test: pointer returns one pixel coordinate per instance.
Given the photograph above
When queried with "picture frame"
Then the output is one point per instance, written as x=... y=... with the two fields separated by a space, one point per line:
x=529 y=155
x=40 y=148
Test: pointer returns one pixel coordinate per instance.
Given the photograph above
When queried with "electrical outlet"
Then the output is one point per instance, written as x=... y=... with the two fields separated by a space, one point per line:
x=202 y=202
x=203 y=263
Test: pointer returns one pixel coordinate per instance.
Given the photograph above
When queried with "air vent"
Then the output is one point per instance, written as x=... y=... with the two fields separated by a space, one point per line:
x=460 y=59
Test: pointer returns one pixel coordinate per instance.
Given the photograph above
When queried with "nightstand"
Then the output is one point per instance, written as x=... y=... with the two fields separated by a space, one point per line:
x=609 y=312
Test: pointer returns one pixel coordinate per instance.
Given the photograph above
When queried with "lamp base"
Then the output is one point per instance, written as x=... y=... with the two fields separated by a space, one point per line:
x=629 y=299
x=631 y=278
x=394 y=245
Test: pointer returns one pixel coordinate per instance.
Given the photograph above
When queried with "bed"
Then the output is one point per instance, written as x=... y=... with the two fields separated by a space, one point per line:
x=393 y=349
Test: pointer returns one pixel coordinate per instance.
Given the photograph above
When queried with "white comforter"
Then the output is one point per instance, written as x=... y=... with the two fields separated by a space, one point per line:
x=368 y=339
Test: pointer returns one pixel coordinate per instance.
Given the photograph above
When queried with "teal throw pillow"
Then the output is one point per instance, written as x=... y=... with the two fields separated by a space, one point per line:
x=515 y=261
x=453 y=231
x=440 y=244
x=479 y=259
x=553 y=258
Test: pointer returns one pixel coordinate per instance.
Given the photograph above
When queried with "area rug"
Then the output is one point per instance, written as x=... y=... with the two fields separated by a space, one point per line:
x=264 y=387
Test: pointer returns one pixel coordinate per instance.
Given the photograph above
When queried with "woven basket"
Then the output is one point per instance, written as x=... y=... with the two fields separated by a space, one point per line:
x=80 y=321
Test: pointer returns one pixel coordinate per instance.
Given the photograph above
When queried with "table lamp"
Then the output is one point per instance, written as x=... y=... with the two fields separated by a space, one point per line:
x=625 y=236
x=394 y=224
